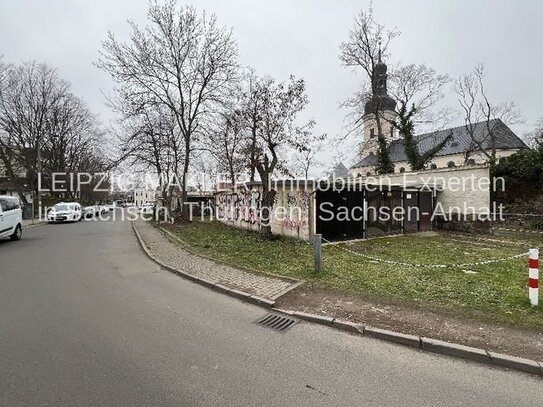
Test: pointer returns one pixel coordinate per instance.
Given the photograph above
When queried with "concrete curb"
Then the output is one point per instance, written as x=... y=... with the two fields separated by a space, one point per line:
x=244 y=296
x=34 y=225
x=403 y=339
x=426 y=344
x=452 y=349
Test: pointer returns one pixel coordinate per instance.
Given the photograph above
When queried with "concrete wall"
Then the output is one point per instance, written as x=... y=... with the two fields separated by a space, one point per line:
x=462 y=187
x=291 y=211
x=459 y=190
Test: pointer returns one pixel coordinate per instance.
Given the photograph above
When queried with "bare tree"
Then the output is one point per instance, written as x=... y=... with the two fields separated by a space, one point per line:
x=306 y=158
x=229 y=141
x=368 y=42
x=182 y=60
x=477 y=108
x=366 y=48
x=420 y=87
x=150 y=140
x=251 y=106
x=44 y=127
x=417 y=89
x=279 y=105
x=206 y=172
x=535 y=137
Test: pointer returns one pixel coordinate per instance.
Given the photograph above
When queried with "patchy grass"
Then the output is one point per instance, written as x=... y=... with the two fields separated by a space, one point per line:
x=495 y=292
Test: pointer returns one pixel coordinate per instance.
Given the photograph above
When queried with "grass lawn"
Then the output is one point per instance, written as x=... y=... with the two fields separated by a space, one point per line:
x=495 y=292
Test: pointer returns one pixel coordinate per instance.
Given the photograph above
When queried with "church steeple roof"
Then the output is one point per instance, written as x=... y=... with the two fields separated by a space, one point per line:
x=380 y=100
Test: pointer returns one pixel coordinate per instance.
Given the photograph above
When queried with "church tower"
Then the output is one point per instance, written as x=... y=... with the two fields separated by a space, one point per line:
x=378 y=111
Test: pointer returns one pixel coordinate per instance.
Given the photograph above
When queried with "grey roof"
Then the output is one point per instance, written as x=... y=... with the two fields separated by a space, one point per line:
x=460 y=143
x=340 y=171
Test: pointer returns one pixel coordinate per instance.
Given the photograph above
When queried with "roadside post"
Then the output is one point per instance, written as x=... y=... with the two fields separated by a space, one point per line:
x=533 y=277
x=317 y=245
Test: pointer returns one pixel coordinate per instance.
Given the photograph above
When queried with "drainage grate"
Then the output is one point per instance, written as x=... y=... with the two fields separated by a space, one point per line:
x=277 y=322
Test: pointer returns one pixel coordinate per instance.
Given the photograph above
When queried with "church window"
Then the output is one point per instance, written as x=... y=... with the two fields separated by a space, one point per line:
x=372 y=132
x=392 y=132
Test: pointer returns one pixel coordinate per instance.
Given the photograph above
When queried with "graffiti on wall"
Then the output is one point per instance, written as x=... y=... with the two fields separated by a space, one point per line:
x=239 y=206
x=297 y=210
x=290 y=209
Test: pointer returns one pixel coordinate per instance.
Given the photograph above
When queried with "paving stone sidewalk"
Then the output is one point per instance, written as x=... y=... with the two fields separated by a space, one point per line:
x=174 y=256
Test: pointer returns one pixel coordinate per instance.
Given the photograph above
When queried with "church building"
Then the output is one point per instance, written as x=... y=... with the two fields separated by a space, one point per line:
x=464 y=149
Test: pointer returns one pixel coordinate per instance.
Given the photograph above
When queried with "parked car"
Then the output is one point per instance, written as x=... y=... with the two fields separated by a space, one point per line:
x=65 y=212
x=88 y=212
x=11 y=218
x=111 y=206
x=147 y=208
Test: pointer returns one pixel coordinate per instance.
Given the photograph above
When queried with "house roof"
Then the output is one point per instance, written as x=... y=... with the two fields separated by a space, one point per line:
x=460 y=143
x=340 y=171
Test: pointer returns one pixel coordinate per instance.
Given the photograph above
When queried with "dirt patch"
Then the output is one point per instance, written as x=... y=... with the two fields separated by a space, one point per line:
x=416 y=321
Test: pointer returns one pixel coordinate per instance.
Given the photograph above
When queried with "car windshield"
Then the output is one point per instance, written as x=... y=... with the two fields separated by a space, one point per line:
x=60 y=208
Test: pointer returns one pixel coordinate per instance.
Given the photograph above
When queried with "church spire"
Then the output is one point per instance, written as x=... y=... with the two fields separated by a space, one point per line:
x=379 y=101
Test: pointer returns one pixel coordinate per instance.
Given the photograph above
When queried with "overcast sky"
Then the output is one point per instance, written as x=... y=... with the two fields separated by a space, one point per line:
x=301 y=37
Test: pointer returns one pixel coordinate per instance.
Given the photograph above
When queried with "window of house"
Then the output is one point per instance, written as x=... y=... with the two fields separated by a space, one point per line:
x=451 y=164
x=402 y=169
x=372 y=132
x=392 y=132
x=368 y=174
x=471 y=161
x=433 y=167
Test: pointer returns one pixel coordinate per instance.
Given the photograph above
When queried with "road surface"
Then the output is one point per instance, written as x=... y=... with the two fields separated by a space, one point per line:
x=87 y=320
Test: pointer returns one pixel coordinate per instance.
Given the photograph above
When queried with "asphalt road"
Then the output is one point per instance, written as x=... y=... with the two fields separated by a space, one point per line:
x=87 y=320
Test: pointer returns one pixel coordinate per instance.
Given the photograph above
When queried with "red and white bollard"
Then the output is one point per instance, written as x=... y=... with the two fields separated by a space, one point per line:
x=533 y=277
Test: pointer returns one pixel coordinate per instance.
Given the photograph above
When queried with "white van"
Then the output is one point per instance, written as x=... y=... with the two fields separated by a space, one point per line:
x=11 y=218
x=65 y=212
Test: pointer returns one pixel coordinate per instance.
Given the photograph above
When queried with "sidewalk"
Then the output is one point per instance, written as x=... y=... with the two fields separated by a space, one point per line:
x=172 y=255
x=27 y=223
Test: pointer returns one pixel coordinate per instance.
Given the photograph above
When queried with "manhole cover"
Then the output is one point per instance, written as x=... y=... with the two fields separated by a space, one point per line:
x=277 y=322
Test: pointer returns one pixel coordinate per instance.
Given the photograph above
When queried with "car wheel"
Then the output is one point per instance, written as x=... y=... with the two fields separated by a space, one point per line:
x=17 y=234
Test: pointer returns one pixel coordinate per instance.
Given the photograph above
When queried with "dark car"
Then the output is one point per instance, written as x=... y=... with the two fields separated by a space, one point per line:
x=88 y=212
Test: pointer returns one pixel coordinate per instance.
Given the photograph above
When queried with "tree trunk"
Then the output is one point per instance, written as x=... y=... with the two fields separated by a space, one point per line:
x=185 y=208
x=266 y=210
x=252 y=169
